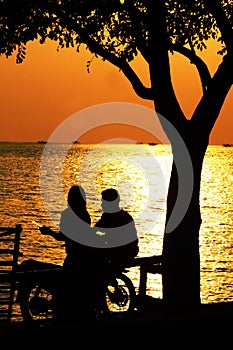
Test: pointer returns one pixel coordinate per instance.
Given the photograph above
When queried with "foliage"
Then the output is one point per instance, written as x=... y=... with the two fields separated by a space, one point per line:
x=108 y=28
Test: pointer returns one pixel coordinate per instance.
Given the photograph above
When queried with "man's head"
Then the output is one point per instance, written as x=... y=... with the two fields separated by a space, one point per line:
x=110 y=200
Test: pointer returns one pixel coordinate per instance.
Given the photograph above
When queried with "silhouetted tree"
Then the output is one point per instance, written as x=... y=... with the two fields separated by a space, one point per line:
x=117 y=31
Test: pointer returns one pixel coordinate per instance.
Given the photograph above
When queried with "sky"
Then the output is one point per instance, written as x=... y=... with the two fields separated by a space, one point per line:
x=50 y=86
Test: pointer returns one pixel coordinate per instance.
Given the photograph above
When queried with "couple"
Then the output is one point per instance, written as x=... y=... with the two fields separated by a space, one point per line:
x=92 y=252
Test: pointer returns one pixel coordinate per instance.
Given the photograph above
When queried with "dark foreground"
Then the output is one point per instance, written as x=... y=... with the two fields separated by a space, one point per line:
x=209 y=324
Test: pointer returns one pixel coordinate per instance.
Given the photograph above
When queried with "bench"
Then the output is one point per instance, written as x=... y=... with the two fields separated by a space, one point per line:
x=149 y=264
x=12 y=273
x=9 y=255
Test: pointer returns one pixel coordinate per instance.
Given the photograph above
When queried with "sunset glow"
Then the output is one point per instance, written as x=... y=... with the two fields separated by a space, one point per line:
x=49 y=86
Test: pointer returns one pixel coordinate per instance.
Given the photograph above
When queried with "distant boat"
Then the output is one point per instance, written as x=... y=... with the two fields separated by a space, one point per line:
x=42 y=141
x=227 y=144
x=152 y=143
x=75 y=142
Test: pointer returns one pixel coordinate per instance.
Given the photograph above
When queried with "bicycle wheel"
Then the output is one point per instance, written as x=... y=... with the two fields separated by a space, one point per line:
x=36 y=304
x=120 y=296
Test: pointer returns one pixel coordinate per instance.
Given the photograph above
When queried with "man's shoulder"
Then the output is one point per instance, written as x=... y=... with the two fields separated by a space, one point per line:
x=126 y=214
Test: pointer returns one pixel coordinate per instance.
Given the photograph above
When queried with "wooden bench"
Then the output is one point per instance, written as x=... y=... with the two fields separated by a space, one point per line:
x=9 y=255
x=149 y=264
x=12 y=273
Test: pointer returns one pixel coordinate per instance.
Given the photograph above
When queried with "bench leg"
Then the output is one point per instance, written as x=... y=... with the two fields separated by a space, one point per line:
x=142 y=282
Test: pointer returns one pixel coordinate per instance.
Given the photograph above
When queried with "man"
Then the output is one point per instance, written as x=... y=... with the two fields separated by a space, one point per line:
x=120 y=234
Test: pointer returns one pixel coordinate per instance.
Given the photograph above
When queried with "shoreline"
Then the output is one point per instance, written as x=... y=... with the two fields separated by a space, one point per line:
x=151 y=322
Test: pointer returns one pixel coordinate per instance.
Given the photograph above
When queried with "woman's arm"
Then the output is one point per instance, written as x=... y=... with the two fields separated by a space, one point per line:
x=45 y=230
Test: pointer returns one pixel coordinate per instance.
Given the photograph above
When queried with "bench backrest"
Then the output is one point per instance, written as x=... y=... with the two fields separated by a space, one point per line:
x=9 y=255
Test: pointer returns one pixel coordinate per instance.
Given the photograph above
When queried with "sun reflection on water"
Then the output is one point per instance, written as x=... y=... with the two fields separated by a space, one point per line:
x=141 y=174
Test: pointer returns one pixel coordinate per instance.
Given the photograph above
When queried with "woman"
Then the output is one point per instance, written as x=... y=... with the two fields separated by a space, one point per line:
x=75 y=230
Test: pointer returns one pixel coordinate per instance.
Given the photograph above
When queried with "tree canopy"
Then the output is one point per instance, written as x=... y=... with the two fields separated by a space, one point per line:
x=116 y=30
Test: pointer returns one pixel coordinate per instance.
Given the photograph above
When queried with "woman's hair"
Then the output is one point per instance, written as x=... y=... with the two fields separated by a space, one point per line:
x=77 y=202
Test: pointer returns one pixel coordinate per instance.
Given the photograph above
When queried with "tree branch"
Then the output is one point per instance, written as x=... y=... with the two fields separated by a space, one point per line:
x=136 y=19
x=160 y=68
x=122 y=64
x=223 y=22
x=199 y=63
x=212 y=101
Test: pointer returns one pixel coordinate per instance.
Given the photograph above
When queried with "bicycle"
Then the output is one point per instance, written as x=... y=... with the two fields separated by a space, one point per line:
x=36 y=293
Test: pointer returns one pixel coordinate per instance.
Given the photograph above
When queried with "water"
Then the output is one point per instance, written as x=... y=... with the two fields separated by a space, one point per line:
x=35 y=178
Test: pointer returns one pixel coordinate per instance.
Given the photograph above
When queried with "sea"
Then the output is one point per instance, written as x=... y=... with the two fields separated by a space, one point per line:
x=35 y=178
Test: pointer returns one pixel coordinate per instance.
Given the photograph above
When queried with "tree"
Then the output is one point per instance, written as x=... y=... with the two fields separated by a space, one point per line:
x=118 y=31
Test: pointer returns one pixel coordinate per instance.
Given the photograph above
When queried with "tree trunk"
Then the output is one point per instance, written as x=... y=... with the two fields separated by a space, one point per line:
x=181 y=259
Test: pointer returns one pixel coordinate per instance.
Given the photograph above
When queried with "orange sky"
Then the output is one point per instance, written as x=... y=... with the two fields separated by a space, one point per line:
x=50 y=86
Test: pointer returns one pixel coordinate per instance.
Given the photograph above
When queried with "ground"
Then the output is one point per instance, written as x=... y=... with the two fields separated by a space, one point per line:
x=209 y=324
